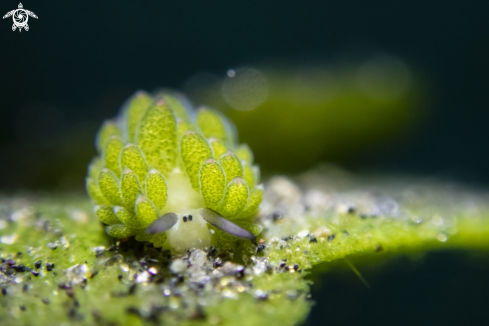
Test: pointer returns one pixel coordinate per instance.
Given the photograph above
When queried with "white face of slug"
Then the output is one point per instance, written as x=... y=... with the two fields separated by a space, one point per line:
x=183 y=200
x=181 y=195
x=190 y=231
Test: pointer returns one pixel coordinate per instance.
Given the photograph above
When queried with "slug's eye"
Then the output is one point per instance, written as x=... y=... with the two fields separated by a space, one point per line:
x=190 y=217
x=214 y=219
x=162 y=224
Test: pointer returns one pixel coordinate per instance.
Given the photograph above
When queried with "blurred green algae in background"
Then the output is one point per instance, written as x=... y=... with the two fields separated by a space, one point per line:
x=295 y=117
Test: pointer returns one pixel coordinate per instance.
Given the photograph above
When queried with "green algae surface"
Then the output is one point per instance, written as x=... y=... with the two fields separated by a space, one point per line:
x=59 y=267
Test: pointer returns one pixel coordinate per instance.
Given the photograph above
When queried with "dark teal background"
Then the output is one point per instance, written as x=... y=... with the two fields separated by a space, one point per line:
x=82 y=59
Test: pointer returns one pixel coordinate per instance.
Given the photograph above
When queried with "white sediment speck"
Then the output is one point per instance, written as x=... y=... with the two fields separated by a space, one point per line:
x=178 y=266
x=9 y=239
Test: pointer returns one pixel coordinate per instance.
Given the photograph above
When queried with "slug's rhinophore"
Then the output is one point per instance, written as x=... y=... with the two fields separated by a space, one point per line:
x=173 y=177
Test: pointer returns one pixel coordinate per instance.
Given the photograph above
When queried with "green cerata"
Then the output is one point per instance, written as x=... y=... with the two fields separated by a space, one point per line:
x=174 y=176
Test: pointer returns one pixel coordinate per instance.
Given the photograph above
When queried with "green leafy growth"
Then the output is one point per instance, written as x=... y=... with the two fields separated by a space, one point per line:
x=218 y=147
x=194 y=150
x=232 y=166
x=157 y=137
x=130 y=189
x=235 y=198
x=132 y=158
x=146 y=212
x=108 y=129
x=212 y=183
x=106 y=215
x=244 y=153
x=109 y=187
x=136 y=108
x=112 y=150
x=156 y=188
x=211 y=123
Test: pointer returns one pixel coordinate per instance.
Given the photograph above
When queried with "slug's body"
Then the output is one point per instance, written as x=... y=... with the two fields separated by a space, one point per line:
x=167 y=178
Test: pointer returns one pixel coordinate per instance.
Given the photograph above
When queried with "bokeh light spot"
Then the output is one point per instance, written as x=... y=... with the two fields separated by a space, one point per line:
x=245 y=89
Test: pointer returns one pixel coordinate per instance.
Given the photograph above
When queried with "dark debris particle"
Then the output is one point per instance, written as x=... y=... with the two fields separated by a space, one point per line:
x=240 y=272
x=10 y=262
x=38 y=264
x=97 y=316
x=76 y=303
x=46 y=301
x=133 y=311
x=198 y=313
x=25 y=288
x=296 y=267
x=63 y=286
x=19 y=254
x=260 y=247
x=287 y=238
x=212 y=251
x=4 y=291
x=70 y=293
x=49 y=266
x=72 y=313
x=119 y=277
x=118 y=294
x=52 y=245
x=379 y=248
x=117 y=258
x=345 y=233
x=167 y=254
x=94 y=273
x=276 y=216
x=113 y=248
x=22 y=308
x=132 y=289
x=217 y=262
x=99 y=252
x=331 y=237
x=46 y=226
x=351 y=210
x=154 y=312
x=313 y=239
x=174 y=281
x=68 y=289
x=20 y=268
x=35 y=273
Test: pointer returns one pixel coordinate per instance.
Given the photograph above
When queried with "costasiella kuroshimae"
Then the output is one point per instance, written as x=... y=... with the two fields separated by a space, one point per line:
x=174 y=177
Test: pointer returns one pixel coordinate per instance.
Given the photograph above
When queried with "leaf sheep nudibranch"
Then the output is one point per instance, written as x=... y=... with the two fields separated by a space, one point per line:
x=174 y=177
